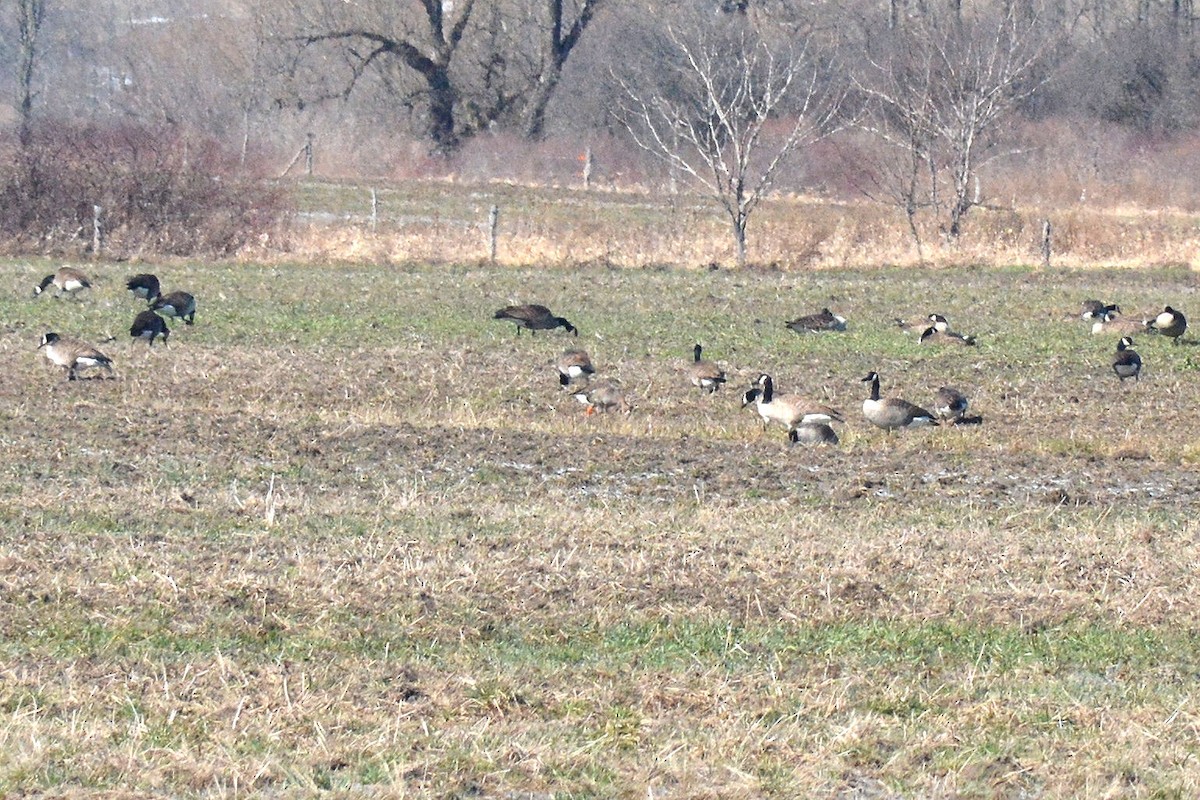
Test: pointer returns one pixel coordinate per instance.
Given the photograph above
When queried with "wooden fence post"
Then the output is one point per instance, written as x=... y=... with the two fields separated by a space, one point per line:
x=374 y=210
x=587 y=168
x=96 y=231
x=1046 y=244
x=493 y=225
x=308 y=155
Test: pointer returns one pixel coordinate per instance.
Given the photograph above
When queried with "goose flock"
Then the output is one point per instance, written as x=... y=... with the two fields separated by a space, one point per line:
x=809 y=421
x=75 y=355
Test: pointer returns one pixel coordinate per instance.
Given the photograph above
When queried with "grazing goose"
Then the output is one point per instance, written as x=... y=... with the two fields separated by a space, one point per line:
x=789 y=410
x=892 y=412
x=573 y=365
x=66 y=280
x=73 y=355
x=1097 y=310
x=810 y=433
x=148 y=325
x=533 y=318
x=934 y=335
x=918 y=326
x=145 y=286
x=826 y=320
x=177 y=304
x=703 y=374
x=1127 y=363
x=950 y=404
x=1169 y=323
x=603 y=397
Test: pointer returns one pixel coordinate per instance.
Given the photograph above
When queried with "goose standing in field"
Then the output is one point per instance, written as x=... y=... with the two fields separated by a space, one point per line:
x=573 y=365
x=1127 y=363
x=789 y=410
x=144 y=286
x=705 y=375
x=891 y=413
x=1170 y=323
x=950 y=404
x=603 y=397
x=932 y=335
x=826 y=320
x=177 y=304
x=534 y=317
x=148 y=325
x=73 y=355
x=67 y=280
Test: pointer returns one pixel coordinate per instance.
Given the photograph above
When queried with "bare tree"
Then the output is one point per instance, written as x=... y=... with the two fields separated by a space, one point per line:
x=464 y=66
x=940 y=91
x=707 y=116
x=30 y=14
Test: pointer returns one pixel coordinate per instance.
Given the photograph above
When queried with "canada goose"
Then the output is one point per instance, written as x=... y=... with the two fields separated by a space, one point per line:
x=603 y=397
x=574 y=364
x=66 y=279
x=826 y=320
x=934 y=335
x=813 y=433
x=1098 y=310
x=1169 y=323
x=147 y=325
x=177 y=304
x=703 y=374
x=892 y=412
x=73 y=355
x=145 y=286
x=789 y=410
x=1109 y=322
x=1127 y=363
x=919 y=326
x=950 y=404
x=534 y=318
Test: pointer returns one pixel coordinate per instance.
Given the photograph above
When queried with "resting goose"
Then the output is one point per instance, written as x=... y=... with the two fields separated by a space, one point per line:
x=604 y=396
x=949 y=404
x=826 y=320
x=705 y=375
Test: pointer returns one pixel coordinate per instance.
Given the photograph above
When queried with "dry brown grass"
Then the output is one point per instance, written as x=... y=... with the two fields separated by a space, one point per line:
x=445 y=222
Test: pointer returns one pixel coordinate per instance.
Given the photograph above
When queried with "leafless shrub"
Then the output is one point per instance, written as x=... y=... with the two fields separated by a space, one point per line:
x=158 y=192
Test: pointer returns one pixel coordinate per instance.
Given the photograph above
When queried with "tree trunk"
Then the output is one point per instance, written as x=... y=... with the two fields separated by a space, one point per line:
x=30 y=14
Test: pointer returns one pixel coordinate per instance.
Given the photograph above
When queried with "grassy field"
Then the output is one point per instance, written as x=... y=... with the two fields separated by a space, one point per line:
x=347 y=534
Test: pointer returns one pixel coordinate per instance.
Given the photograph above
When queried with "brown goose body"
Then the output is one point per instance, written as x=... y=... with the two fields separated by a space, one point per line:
x=703 y=374
x=603 y=397
x=950 y=404
x=574 y=365
x=892 y=413
x=66 y=280
x=813 y=433
x=789 y=410
x=918 y=326
x=825 y=320
x=533 y=317
x=73 y=355
x=1112 y=323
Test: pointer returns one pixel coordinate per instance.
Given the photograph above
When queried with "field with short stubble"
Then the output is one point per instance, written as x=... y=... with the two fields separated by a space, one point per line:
x=347 y=533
